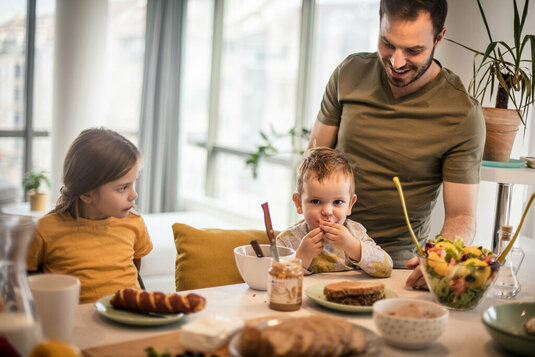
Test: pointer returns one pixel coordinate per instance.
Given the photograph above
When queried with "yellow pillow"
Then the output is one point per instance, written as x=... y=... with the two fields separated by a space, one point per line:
x=205 y=257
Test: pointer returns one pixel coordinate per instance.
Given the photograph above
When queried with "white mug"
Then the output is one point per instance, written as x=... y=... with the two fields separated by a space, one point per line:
x=56 y=298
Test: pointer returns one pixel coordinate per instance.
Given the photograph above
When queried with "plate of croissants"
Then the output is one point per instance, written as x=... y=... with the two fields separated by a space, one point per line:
x=140 y=307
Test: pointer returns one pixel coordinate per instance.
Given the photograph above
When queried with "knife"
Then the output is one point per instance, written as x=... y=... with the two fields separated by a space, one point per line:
x=270 y=233
x=256 y=248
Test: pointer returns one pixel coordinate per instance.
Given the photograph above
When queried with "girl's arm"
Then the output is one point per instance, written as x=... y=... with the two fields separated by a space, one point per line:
x=137 y=263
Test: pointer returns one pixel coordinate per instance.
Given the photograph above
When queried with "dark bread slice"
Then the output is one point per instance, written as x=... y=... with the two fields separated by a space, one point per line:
x=354 y=292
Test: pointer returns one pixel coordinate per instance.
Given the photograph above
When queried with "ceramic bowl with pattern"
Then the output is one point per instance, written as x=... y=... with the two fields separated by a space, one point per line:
x=254 y=270
x=409 y=323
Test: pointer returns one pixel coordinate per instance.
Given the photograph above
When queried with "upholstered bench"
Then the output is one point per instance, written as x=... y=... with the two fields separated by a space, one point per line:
x=158 y=267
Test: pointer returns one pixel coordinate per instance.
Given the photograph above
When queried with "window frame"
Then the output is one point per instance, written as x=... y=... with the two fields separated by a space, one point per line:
x=28 y=134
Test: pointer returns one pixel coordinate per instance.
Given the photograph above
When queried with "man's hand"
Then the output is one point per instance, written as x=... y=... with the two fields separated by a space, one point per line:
x=416 y=280
x=311 y=246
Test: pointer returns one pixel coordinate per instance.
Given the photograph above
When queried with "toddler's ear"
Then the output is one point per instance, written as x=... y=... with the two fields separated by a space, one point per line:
x=297 y=201
x=351 y=203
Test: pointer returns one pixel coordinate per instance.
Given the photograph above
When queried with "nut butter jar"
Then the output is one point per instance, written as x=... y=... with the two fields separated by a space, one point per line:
x=285 y=285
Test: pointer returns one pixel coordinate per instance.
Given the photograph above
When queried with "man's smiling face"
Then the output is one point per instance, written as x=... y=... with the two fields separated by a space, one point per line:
x=406 y=48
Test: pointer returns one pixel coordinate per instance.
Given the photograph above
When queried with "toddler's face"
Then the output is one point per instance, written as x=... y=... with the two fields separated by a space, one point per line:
x=113 y=199
x=328 y=200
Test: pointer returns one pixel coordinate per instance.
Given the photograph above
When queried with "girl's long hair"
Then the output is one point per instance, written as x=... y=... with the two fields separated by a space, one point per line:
x=95 y=157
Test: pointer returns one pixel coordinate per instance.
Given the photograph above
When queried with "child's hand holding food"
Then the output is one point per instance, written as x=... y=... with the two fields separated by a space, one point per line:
x=310 y=246
x=340 y=237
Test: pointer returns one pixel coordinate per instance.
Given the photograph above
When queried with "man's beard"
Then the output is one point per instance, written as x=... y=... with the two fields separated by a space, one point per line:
x=399 y=83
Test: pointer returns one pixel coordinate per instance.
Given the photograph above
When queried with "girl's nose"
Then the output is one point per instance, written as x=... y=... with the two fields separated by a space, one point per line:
x=133 y=195
x=398 y=59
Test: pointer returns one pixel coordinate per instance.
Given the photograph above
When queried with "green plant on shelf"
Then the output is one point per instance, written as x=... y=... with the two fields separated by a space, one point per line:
x=35 y=181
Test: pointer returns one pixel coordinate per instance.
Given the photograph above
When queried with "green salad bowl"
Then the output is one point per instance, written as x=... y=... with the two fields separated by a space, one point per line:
x=458 y=286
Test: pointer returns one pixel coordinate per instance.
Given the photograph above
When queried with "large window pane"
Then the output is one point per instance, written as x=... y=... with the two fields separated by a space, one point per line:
x=12 y=64
x=126 y=47
x=194 y=98
x=243 y=195
x=342 y=27
x=259 y=69
x=11 y=165
x=196 y=71
x=43 y=65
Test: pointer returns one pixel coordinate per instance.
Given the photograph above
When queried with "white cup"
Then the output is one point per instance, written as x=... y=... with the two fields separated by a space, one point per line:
x=56 y=298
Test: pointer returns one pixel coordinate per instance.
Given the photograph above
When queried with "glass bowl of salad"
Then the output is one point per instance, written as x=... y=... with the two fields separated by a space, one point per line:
x=458 y=277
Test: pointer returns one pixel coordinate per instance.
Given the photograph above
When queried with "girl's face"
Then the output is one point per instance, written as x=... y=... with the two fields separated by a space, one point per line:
x=328 y=200
x=113 y=199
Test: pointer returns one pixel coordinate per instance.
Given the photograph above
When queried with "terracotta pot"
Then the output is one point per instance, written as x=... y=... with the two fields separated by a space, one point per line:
x=38 y=201
x=502 y=125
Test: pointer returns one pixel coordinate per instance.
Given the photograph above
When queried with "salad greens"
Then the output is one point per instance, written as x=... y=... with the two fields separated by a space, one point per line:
x=457 y=275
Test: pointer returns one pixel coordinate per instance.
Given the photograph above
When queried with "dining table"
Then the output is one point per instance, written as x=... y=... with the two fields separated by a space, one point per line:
x=465 y=333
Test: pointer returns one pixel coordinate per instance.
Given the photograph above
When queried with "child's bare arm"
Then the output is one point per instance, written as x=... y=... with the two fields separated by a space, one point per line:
x=311 y=246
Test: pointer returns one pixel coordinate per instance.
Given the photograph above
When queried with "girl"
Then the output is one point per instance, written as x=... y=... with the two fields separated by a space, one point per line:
x=93 y=232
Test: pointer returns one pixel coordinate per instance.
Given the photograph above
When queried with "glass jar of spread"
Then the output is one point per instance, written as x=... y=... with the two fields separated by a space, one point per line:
x=285 y=285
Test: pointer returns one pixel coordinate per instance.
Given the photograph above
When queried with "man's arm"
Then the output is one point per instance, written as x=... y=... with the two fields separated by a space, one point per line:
x=460 y=202
x=323 y=135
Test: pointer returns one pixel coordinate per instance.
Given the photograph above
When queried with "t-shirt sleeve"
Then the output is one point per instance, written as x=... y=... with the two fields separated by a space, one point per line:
x=331 y=108
x=143 y=244
x=36 y=249
x=462 y=164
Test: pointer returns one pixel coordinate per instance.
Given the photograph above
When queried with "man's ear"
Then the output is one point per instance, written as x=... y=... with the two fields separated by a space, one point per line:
x=351 y=203
x=297 y=201
x=440 y=36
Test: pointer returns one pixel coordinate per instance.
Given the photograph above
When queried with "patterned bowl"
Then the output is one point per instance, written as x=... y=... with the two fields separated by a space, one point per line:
x=409 y=323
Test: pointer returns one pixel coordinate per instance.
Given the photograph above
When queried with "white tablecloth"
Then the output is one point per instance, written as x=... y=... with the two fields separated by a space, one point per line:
x=465 y=334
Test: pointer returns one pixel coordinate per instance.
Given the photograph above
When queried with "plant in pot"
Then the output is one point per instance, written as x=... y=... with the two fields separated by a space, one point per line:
x=34 y=184
x=501 y=65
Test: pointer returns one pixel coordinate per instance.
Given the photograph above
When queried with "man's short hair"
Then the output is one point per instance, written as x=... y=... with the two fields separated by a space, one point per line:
x=410 y=10
x=320 y=163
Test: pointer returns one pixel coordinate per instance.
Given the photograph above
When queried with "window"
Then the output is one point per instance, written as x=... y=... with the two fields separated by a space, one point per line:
x=12 y=55
x=254 y=76
x=126 y=48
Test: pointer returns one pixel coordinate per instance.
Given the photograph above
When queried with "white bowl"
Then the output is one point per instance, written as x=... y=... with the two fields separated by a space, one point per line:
x=409 y=332
x=254 y=270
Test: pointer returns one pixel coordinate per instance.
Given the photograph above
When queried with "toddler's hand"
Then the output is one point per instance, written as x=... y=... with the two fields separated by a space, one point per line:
x=337 y=234
x=311 y=246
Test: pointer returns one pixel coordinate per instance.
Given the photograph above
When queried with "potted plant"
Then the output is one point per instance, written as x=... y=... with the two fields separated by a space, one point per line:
x=501 y=65
x=33 y=184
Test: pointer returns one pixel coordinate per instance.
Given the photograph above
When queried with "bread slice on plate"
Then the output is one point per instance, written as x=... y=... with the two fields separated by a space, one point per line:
x=358 y=293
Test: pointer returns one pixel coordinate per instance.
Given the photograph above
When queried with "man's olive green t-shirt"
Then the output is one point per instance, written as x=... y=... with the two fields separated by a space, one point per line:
x=436 y=133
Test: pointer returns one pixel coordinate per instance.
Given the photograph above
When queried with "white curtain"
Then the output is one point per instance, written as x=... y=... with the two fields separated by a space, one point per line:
x=159 y=129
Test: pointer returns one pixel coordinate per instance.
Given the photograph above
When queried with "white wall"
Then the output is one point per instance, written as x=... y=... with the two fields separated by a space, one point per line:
x=79 y=73
x=464 y=24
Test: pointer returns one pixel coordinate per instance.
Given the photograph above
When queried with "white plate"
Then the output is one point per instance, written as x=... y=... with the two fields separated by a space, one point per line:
x=315 y=292
x=105 y=308
x=373 y=342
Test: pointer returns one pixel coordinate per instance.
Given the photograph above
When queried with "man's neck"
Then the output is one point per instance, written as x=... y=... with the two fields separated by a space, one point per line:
x=428 y=76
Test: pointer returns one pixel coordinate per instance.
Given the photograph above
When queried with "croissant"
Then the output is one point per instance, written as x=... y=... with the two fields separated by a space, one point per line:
x=144 y=301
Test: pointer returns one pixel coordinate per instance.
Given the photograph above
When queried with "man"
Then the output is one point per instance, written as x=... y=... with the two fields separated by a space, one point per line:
x=397 y=112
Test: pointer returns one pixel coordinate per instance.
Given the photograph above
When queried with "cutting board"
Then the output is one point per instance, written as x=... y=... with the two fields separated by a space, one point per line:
x=136 y=348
